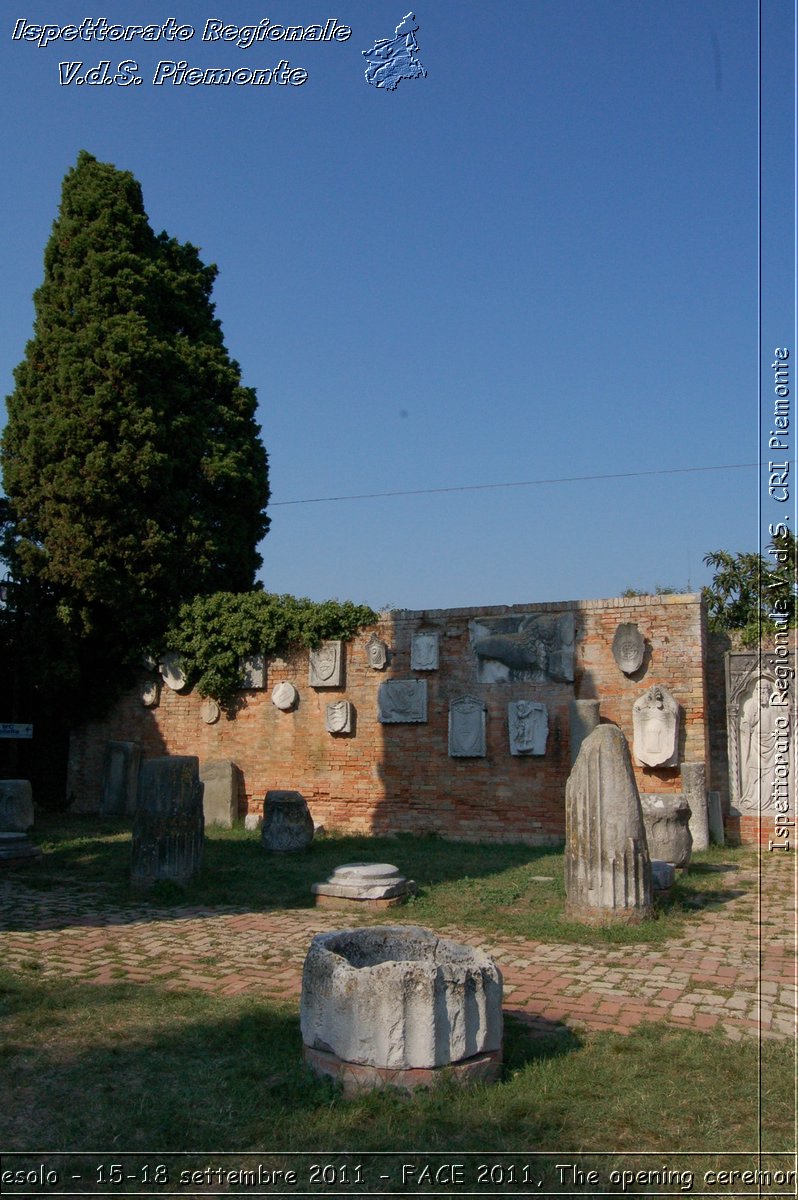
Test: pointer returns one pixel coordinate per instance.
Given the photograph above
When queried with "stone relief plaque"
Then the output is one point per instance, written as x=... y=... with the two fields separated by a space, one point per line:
x=150 y=694
x=376 y=653
x=655 y=722
x=210 y=711
x=528 y=723
x=253 y=673
x=467 y=728
x=628 y=648
x=402 y=700
x=760 y=743
x=326 y=665
x=172 y=672
x=339 y=717
x=284 y=696
x=424 y=651
x=526 y=647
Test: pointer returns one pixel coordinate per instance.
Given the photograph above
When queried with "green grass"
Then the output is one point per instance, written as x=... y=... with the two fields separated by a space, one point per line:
x=507 y=890
x=137 y=1068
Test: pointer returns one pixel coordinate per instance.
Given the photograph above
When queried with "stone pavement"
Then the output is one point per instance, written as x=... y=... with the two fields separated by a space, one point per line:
x=734 y=969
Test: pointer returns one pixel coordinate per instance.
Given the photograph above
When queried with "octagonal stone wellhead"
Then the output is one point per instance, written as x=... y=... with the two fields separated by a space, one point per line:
x=399 y=1003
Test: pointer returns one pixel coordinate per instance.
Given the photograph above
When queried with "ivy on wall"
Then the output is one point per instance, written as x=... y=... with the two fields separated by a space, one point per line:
x=213 y=633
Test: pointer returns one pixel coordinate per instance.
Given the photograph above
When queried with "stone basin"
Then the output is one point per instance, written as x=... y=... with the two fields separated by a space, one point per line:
x=399 y=999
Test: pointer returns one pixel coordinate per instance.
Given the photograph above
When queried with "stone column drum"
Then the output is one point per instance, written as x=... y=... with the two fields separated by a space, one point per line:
x=607 y=864
x=168 y=827
x=395 y=1004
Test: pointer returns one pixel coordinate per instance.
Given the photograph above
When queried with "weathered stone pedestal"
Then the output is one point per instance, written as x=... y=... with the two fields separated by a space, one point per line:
x=220 y=792
x=287 y=823
x=364 y=886
x=400 y=1006
x=168 y=827
x=666 y=818
x=607 y=864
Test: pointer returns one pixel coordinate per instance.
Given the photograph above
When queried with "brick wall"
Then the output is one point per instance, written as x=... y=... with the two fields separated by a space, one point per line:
x=397 y=777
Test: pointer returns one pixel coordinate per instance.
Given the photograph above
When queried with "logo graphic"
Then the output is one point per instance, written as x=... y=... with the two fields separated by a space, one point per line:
x=393 y=59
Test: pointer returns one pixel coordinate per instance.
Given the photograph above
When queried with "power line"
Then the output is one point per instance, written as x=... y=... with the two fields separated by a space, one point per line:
x=482 y=487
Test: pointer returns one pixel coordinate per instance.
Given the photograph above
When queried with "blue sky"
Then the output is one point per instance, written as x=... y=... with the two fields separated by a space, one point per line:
x=539 y=262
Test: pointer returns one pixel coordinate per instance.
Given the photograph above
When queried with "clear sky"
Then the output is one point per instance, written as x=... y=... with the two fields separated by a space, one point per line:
x=537 y=263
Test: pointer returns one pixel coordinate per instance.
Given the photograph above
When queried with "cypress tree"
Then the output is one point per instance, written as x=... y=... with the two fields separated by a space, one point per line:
x=131 y=458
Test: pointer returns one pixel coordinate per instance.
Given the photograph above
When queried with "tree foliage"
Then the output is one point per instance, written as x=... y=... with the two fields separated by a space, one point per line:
x=131 y=459
x=211 y=634
x=746 y=589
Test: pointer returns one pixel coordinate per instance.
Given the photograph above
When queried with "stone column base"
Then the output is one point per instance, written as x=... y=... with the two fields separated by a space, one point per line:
x=323 y=901
x=607 y=916
x=359 y=1077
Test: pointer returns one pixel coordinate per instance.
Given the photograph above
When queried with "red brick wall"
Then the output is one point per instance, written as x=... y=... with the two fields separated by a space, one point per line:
x=396 y=777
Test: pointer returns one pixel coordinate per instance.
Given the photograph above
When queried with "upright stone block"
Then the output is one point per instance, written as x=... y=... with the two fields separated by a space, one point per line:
x=16 y=805
x=715 y=814
x=607 y=864
x=694 y=789
x=168 y=827
x=220 y=792
x=583 y=717
x=120 y=778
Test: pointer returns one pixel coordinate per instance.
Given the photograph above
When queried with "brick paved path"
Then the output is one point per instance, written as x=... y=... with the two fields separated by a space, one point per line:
x=735 y=968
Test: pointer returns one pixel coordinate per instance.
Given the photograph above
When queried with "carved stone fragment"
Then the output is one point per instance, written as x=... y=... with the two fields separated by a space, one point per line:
x=287 y=823
x=120 y=778
x=326 y=665
x=402 y=701
x=526 y=646
x=583 y=717
x=528 y=722
x=628 y=647
x=467 y=716
x=220 y=779
x=284 y=696
x=607 y=864
x=694 y=790
x=339 y=717
x=424 y=651
x=667 y=821
x=655 y=720
x=376 y=653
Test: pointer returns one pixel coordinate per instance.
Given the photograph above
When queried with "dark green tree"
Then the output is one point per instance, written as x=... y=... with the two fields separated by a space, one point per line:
x=131 y=458
x=747 y=587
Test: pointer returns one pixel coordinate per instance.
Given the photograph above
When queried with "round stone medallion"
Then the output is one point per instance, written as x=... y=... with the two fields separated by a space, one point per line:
x=285 y=696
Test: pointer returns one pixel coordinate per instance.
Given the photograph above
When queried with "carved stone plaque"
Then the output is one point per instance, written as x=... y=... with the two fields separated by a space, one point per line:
x=467 y=728
x=528 y=722
x=424 y=651
x=253 y=672
x=402 y=700
x=172 y=672
x=284 y=696
x=339 y=717
x=655 y=720
x=210 y=711
x=326 y=665
x=376 y=653
x=150 y=694
x=628 y=647
x=524 y=647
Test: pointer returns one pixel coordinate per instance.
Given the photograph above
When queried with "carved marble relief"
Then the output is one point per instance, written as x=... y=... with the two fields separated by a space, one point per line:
x=628 y=647
x=326 y=665
x=339 y=717
x=655 y=721
x=525 y=647
x=402 y=700
x=376 y=653
x=210 y=711
x=150 y=694
x=528 y=722
x=253 y=672
x=424 y=651
x=760 y=739
x=284 y=696
x=467 y=728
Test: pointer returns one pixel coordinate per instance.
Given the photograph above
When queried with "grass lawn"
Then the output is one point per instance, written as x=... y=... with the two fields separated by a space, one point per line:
x=140 y=1069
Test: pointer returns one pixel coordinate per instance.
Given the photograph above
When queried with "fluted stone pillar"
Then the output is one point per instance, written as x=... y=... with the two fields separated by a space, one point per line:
x=694 y=790
x=607 y=864
x=583 y=717
x=168 y=827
